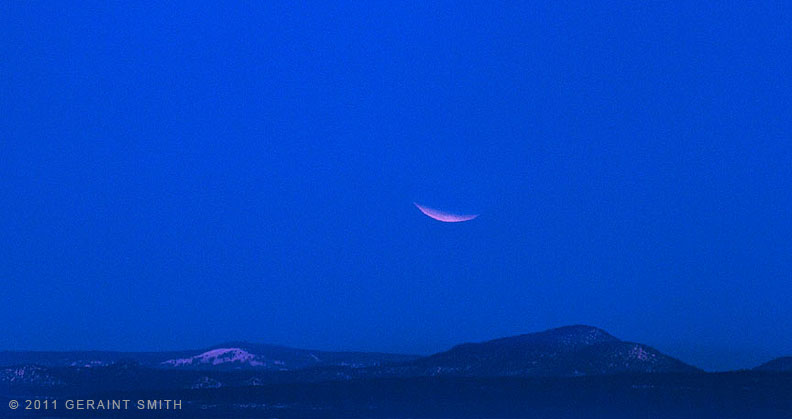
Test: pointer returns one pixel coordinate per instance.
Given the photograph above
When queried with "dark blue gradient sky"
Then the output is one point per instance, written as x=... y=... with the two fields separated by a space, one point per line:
x=177 y=175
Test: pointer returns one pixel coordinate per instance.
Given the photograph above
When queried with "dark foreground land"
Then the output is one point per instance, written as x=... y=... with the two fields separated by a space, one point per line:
x=723 y=395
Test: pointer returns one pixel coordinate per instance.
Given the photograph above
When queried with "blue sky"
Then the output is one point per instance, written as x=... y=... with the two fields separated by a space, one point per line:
x=177 y=175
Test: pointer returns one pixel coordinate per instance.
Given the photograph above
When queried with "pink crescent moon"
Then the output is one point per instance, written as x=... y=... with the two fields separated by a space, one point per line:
x=444 y=216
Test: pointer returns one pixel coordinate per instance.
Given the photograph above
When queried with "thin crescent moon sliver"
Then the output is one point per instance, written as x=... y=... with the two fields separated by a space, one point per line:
x=443 y=216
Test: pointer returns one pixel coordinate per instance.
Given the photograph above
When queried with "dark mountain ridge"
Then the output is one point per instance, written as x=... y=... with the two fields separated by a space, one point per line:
x=782 y=364
x=231 y=356
x=565 y=351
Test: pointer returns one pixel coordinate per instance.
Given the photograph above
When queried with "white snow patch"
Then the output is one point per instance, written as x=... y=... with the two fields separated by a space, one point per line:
x=637 y=352
x=216 y=357
x=206 y=382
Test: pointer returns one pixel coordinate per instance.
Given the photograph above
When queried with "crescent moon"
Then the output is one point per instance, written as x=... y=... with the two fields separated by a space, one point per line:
x=443 y=216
